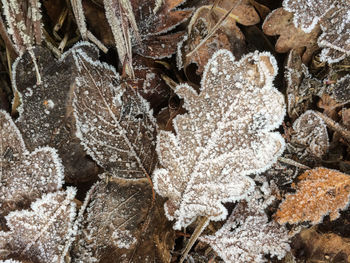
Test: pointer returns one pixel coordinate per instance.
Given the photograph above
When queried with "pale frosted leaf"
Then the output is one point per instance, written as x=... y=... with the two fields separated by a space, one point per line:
x=24 y=175
x=46 y=117
x=224 y=136
x=311 y=132
x=248 y=235
x=113 y=121
x=122 y=223
x=43 y=233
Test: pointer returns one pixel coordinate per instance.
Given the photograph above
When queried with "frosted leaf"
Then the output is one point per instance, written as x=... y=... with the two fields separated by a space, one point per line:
x=341 y=90
x=24 y=175
x=43 y=233
x=311 y=132
x=154 y=21
x=114 y=123
x=24 y=23
x=247 y=235
x=320 y=191
x=224 y=136
x=120 y=222
x=334 y=18
x=280 y=22
x=46 y=110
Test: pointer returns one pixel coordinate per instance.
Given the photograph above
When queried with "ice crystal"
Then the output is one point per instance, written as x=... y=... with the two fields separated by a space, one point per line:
x=44 y=233
x=224 y=137
x=334 y=19
x=247 y=235
x=24 y=175
x=114 y=123
x=321 y=191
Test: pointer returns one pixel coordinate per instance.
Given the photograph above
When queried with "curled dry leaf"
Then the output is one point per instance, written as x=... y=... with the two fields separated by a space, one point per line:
x=248 y=235
x=321 y=191
x=224 y=136
x=46 y=111
x=113 y=122
x=24 y=175
x=301 y=86
x=122 y=222
x=311 y=132
x=43 y=233
x=280 y=22
x=227 y=35
x=149 y=83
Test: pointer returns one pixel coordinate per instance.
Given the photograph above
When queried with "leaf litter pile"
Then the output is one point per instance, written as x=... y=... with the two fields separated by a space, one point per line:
x=175 y=131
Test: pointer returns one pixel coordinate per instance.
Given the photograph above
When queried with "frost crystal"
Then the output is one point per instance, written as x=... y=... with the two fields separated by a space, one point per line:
x=42 y=234
x=334 y=19
x=114 y=123
x=224 y=137
x=247 y=235
x=24 y=176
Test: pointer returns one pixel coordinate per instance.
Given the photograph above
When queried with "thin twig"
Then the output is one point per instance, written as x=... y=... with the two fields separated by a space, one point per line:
x=197 y=232
x=335 y=126
x=292 y=162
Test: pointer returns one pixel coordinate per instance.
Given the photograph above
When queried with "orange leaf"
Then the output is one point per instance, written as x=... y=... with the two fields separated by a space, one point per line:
x=321 y=191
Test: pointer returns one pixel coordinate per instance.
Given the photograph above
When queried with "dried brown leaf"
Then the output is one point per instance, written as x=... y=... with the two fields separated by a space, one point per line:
x=46 y=112
x=24 y=175
x=122 y=223
x=42 y=234
x=321 y=191
x=280 y=22
x=114 y=123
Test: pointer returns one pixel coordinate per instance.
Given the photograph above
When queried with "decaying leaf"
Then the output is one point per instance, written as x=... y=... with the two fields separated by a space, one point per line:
x=42 y=234
x=224 y=136
x=319 y=247
x=280 y=22
x=321 y=191
x=301 y=86
x=121 y=223
x=247 y=234
x=46 y=111
x=24 y=175
x=311 y=132
x=114 y=123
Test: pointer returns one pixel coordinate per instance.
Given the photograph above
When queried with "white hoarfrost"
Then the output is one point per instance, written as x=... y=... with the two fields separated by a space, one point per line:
x=224 y=137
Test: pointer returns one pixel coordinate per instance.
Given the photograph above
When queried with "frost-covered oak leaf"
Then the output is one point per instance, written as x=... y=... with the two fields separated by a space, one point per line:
x=114 y=123
x=120 y=222
x=334 y=19
x=320 y=192
x=43 y=233
x=24 y=175
x=248 y=235
x=224 y=137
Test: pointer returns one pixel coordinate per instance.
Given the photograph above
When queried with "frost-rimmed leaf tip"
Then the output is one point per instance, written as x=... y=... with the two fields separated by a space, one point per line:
x=224 y=137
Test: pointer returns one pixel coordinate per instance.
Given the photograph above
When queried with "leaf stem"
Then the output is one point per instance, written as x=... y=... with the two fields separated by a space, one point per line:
x=197 y=232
